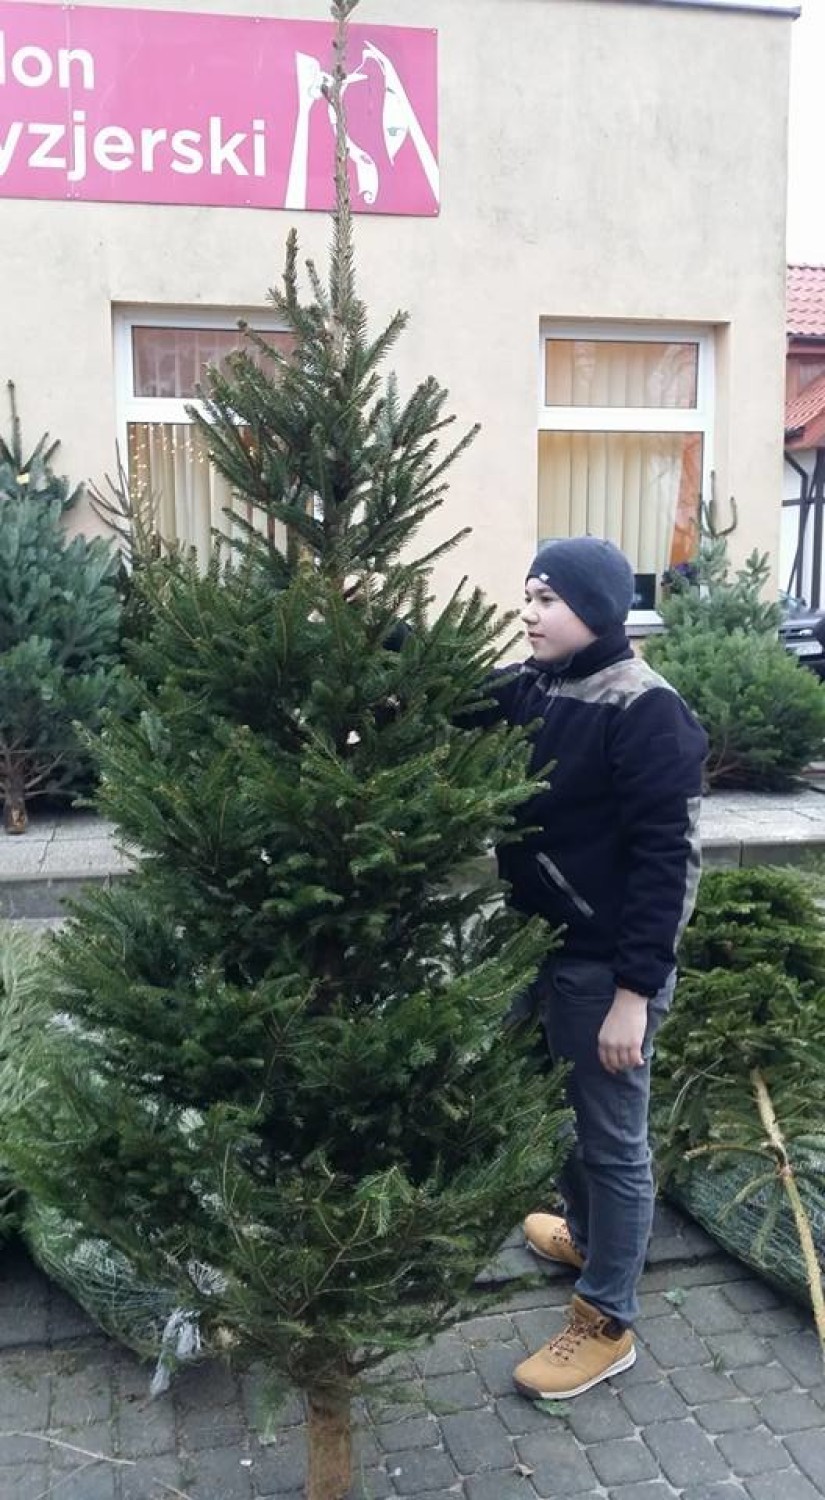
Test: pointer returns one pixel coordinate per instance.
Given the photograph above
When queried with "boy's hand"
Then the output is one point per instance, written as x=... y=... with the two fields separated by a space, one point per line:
x=623 y=1032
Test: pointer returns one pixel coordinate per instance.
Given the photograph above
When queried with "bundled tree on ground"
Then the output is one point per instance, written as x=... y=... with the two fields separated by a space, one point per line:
x=23 y=1010
x=739 y=1100
x=285 y=1056
x=59 y=625
x=763 y=712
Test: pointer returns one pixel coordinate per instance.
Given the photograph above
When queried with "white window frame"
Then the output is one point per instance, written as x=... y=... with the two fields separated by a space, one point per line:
x=166 y=409
x=698 y=418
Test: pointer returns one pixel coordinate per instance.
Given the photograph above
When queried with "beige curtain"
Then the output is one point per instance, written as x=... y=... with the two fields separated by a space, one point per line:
x=601 y=372
x=171 y=361
x=639 y=489
x=170 y=461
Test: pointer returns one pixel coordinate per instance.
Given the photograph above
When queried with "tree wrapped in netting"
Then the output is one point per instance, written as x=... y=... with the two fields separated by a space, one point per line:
x=24 y=1009
x=279 y=1049
x=739 y=1075
x=59 y=628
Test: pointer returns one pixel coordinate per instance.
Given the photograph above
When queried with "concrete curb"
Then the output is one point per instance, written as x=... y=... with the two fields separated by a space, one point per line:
x=44 y=898
x=59 y=856
x=676 y=1240
x=741 y=854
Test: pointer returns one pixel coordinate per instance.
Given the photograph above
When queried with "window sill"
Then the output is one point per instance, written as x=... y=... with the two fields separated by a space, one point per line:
x=644 y=622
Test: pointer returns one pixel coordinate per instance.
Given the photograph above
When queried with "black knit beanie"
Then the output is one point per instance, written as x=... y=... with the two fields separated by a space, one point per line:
x=592 y=576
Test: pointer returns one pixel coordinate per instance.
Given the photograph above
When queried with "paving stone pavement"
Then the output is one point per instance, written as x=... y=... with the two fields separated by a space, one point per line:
x=726 y=1402
x=64 y=850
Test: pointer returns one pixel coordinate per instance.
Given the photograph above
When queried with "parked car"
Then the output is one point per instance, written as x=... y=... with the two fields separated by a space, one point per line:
x=802 y=633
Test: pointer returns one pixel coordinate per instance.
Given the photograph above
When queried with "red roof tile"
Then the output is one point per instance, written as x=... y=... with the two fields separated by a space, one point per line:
x=806 y=302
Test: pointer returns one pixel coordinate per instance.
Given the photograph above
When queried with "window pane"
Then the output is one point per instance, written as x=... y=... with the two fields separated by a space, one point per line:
x=803 y=373
x=596 y=372
x=641 y=490
x=169 y=362
x=171 y=462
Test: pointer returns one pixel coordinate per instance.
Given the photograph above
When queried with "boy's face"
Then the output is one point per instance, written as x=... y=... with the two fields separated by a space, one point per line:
x=553 y=631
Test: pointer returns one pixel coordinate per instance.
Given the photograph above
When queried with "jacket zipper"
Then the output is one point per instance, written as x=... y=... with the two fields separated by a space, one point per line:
x=552 y=688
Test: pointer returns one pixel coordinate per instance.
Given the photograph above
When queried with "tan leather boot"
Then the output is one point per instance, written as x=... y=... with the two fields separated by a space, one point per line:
x=547 y=1235
x=591 y=1348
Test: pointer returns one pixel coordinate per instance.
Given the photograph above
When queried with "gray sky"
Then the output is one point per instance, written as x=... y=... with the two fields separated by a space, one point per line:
x=806 y=188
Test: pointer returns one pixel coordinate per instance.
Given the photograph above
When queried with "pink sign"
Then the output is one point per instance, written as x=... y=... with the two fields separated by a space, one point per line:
x=147 y=106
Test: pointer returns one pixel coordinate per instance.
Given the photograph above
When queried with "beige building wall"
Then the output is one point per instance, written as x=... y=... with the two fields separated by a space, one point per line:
x=601 y=159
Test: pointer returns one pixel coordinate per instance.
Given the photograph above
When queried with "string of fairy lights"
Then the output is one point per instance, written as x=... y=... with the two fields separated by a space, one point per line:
x=170 y=460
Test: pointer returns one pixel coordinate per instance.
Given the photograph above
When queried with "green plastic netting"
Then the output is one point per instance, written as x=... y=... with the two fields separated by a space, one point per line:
x=23 y=1012
x=760 y=1231
x=100 y=1278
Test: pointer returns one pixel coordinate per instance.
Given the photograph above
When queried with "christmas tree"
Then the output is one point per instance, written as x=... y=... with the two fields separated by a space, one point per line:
x=286 y=1057
x=763 y=713
x=59 y=623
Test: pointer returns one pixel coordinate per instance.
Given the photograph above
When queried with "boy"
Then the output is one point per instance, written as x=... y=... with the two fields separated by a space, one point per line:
x=613 y=854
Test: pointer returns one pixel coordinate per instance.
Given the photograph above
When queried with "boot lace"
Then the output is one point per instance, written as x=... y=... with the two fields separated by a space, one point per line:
x=566 y=1343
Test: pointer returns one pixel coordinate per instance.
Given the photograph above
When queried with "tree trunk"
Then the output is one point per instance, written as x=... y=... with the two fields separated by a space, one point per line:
x=330 y=1446
x=15 y=817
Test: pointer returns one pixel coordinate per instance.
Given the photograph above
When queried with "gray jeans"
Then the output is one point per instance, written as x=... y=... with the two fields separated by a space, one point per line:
x=606 y=1183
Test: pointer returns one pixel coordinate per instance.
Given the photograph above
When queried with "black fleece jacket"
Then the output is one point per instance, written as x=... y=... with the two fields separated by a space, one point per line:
x=612 y=850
